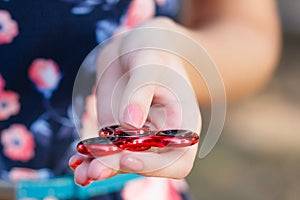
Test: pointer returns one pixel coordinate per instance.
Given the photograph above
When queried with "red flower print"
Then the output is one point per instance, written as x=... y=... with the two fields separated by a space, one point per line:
x=18 y=143
x=139 y=11
x=8 y=28
x=9 y=104
x=2 y=83
x=45 y=74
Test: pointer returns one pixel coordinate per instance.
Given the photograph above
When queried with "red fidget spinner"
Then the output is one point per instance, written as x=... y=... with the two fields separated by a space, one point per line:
x=114 y=139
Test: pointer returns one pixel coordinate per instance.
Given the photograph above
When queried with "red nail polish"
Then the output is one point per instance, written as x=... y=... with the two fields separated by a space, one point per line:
x=75 y=164
x=87 y=182
x=133 y=116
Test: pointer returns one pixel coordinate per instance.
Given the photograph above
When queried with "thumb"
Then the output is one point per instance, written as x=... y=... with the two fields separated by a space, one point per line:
x=135 y=106
x=137 y=98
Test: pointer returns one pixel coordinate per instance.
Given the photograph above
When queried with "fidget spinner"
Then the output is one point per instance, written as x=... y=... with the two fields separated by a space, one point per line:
x=114 y=139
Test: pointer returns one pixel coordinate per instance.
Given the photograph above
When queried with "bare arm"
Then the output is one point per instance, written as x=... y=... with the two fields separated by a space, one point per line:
x=242 y=37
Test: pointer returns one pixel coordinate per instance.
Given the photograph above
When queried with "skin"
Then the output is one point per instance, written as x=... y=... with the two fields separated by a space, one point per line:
x=243 y=39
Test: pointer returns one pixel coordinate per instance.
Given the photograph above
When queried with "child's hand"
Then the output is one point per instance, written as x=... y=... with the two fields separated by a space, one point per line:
x=136 y=87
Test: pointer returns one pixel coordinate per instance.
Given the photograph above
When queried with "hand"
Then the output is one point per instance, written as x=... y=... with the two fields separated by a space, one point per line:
x=136 y=87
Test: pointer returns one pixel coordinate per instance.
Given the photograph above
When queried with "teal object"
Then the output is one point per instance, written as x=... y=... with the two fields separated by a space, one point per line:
x=65 y=188
x=106 y=186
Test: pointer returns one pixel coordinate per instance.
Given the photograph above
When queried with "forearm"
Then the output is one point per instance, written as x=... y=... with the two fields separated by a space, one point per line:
x=245 y=50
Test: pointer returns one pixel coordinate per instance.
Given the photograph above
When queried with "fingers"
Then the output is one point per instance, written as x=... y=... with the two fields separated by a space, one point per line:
x=87 y=169
x=109 y=89
x=135 y=105
x=142 y=93
x=80 y=173
x=168 y=102
x=175 y=163
x=98 y=171
x=110 y=82
x=172 y=163
x=158 y=85
x=166 y=110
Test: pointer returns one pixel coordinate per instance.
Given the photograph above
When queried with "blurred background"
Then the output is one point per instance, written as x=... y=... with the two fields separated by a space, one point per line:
x=258 y=154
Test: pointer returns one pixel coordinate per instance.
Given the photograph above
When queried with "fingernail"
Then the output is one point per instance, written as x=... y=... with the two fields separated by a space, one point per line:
x=86 y=183
x=75 y=164
x=133 y=116
x=132 y=164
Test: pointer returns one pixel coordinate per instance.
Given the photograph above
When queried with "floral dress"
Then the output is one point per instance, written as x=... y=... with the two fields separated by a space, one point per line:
x=42 y=45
